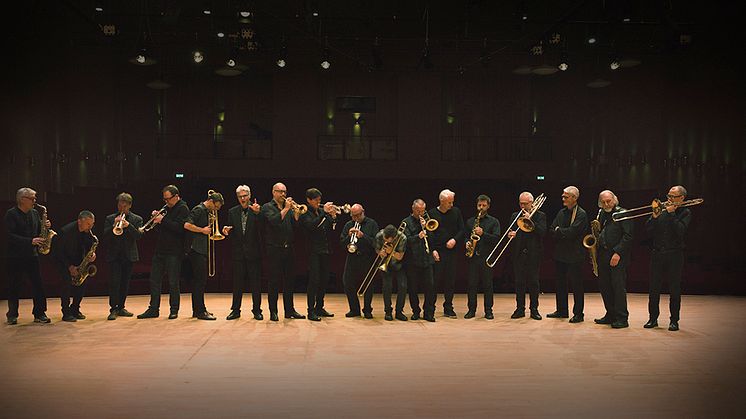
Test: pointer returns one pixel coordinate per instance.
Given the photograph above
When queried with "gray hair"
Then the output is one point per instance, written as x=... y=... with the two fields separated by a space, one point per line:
x=86 y=214
x=24 y=192
x=613 y=196
x=681 y=190
x=418 y=201
x=526 y=194
x=243 y=188
x=445 y=193
x=572 y=190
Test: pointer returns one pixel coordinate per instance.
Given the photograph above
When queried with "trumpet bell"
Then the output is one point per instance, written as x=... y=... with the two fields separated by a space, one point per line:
x=526 y=224
x=118 y=231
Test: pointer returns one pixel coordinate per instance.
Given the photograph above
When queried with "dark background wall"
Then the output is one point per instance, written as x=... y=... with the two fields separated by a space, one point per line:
x=80 y=126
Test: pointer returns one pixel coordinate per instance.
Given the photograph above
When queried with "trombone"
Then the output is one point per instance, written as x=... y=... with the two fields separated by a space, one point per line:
x=352 y=245
x=118 y=229
x=215 y=235
x=381 y=263
x=523 y=221
x=428 y=224
x=656 y=207
x=151 y=222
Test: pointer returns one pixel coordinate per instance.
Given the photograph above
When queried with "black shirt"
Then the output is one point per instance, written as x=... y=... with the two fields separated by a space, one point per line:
x=616 y=236
x=317 y=225
x=278 y=231
x=22 y=228
x=70 y=245
x=401 y=247
x=416 y=254
x=365 y=244
x=172 y=236
x=123 y=246
x=529 y=244
x=569 y=247
x=450 y=226
x=244 y=245
x=490 y=235
x=199 y=217
x=668 y=230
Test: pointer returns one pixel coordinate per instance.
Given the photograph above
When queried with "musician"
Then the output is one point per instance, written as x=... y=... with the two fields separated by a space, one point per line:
x=614 y=248
x=568 y=229
x=668 y=229
x=450 y=231
x=198 y=222
x=71 y=245
x=390 y=241
x=488 y=231
x=246 y=219
x=169 y=251
x=317 y=222
x=278 y=237
x=358 y=262
x=121 y=253
x=526 y=258
x=23 y=226
x=418 y=263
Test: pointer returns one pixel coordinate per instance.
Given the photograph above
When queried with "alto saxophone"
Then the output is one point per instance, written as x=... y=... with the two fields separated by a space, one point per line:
x=471 y=245
x=46 y=233
x=85 y=269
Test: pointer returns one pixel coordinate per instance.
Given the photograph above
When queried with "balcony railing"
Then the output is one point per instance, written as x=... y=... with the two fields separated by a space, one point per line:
x=494 y=148
x=346 y=147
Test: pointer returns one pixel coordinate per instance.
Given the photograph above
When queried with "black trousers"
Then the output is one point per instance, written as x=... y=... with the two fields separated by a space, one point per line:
x=526 y=273
x=67 y=291
x=17 y=268
x=245 y=270
x=479 y=273
x=666 y=266
x=355 y=269
x=401 y=289
x=421 y=278
x=119 y=283
x=281 y=270
x=612 y=284
x=199 y=280
x=571 y=271
x=444 y=273
x=171 y=264
x=318 y=277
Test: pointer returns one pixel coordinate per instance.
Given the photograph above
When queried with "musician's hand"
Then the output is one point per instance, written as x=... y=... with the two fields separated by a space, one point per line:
x=511 y=234
x=329 y=209
x=382 y=253
x=359 y=233
x=289 y=203
x=93 y=256
x=206 y=230
x=436 y=256
x=73 y=270
x=255 y=207
x=614 y=259
x=422 y=234
x=478 y=231
x=157 y=219
x=125 y=223
x=671 y=208
x=451 y=243
x=227 y=230
x=37 y=241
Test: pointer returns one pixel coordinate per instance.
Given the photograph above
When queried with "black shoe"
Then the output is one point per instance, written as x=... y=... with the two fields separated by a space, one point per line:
x=323 y=313
x=489 y=316
x=651 y=324
x=388 y=317
x=234 y=314
x=450 y=313
x=578 y=318
x=469 y=315
x=258 y=316
x=42 y=319
x=206 y=315
x=603 y=320
x=535 y=315
x=400 y=316
x=172 y=315
x=313 y=316
x=112 y=316
x=149 y=314
x=557 y=315
x=80 y=316
x=518 y=313
x=124 y=313
x=430 y=318
x=294 y=315
x=415 y=316
x=352 y=314
x=69 y=318
x=368 y=315
x=620 y=324
x=273 y=317
x=12 y=320
x=674 y=326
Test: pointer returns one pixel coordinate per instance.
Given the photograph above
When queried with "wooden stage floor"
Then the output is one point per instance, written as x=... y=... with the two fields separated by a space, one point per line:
x=344 y=368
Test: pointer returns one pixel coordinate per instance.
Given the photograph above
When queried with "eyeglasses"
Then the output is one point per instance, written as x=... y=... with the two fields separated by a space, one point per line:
x=279 y=191
x=242 y=196
x=669 y=196
x=566 y=196
x=30 y=198
x=166 y=199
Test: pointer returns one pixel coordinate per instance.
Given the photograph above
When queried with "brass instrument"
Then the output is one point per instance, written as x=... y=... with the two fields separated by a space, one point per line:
x=590 y=241
x=118 y=230
x=656 y=207
x=46 y=233
x=523 y=221
x=381 y=263
x=299 y=209
x=151 y=222
x=428 y=224
x=215 y=235
x=352 y=245
x=85 y=269
x=471 y=245
x=342 y=208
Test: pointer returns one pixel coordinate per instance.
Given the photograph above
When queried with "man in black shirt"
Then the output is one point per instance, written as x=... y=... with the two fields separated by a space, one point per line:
x=121 y=252
x=169 y=251
x=391 y=245
x=359 y=261
x=246 y=219
x=23 y=226
x=450 y=231
x=317 y=222
x=199 y=224
x=526 y=258
x=614 y=248
x=418 y=263
x=568 y=229
x=278 y=238
x=668 y=229
x=488 y=231
x=71 y=245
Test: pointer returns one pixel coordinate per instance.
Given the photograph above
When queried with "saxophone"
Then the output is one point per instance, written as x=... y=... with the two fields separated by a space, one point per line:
x=85 y=269
x=591 y=240
x=471 y=245
x=46 y=233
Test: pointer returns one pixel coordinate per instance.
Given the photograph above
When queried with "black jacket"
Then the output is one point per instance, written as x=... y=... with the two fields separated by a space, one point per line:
x=615 y=236
x=416 y=254
x=365 y=244
x=124 y=246
x=317 y=224
x=244 y=245
x=569 y=247
x=668 y=230
x=21 y=229
x=278 y=231
x=70 y=245
x=491 y=234
x=529 y=244
x=172 y=237
x=450 y=226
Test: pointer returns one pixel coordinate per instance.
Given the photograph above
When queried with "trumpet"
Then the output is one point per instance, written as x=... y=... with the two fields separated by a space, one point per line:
x=215 y=235
x=338 y=209
x=352 y=245
x=118 y=229
x=151 y=222
x=381 y=263
x=299 y=209
x=656 y=207
x=471 y=245
x=591 y=240
x=523 y=221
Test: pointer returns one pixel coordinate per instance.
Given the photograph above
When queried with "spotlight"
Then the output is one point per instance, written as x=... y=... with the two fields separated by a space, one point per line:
x=221 y=34
x=99 y=9
x=315 y=14
x=614 y=64
x=207 y=11
x=591 y=40
x=524 y=17
x=244 y=13
x=563 y=66
x=230 y=62
x=282 y=57
x=325 y=63
x=281 y=63
x=141 y=57
x=198 y=57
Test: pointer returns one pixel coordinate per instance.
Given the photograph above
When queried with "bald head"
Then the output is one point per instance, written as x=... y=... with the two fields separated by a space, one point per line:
x=357 y=213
